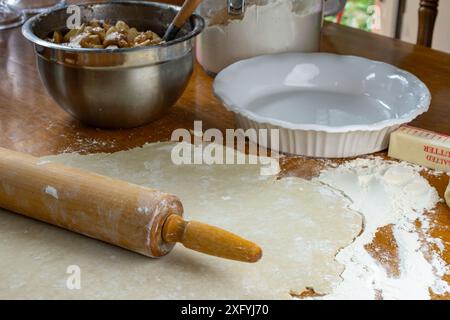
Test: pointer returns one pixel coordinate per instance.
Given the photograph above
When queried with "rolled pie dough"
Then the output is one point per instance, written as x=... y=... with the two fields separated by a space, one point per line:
x=300 y=225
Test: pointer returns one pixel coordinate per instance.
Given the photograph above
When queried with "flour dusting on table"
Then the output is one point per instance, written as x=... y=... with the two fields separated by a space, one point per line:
x=388 y=193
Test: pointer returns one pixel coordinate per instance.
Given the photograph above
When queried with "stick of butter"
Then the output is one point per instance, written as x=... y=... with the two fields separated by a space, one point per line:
x=427 y=148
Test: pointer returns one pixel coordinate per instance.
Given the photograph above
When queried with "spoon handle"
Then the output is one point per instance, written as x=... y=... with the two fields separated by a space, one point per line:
x=185 y=12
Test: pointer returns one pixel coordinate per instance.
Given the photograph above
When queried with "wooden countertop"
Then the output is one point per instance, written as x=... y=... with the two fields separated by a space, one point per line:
x=31 y=122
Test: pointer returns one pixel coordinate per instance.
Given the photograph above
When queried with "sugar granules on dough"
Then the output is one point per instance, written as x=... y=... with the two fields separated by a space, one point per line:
x=387 y=193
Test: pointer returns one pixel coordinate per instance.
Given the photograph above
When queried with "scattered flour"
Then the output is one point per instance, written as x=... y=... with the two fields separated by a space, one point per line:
x=387 y=193
x=143 y=210
x=42 y=162
x=51 y=191
x=447 y=195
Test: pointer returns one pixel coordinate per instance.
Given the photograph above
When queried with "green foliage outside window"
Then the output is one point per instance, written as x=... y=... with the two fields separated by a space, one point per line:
x=357 y=14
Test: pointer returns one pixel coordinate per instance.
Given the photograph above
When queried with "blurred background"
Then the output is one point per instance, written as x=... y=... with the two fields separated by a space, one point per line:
x=395 y=18
x=392 y=18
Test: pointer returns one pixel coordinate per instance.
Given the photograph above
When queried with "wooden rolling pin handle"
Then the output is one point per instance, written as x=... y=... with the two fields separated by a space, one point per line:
x=209 y=240
x=185 y=12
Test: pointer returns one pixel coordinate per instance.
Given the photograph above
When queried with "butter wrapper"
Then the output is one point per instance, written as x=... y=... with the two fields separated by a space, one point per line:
x=419 y=146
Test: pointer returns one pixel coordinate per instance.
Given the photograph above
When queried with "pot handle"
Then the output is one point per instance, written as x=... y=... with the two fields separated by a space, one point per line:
x=332 y=7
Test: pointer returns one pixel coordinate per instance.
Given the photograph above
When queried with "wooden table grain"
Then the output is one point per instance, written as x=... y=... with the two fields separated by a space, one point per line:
x=31 y=122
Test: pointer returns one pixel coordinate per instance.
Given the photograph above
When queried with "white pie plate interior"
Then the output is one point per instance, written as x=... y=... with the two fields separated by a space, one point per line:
x=324 y=105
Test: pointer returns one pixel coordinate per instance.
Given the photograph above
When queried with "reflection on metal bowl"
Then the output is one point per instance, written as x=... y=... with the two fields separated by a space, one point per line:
x=115 y=88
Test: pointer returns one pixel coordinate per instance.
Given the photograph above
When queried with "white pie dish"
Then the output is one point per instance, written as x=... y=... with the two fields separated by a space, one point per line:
x=324 y=105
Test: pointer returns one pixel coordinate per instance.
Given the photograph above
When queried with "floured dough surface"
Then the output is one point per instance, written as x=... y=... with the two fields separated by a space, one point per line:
x=300 y=225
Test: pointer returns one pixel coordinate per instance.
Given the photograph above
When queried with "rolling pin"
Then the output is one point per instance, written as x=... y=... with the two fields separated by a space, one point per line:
x=133 y=217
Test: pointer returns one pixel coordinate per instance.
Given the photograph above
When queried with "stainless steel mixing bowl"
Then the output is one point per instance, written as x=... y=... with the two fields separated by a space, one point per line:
x=115 y=88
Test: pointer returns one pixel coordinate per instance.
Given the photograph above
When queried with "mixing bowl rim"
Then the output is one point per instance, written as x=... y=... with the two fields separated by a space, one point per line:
x=28 y=33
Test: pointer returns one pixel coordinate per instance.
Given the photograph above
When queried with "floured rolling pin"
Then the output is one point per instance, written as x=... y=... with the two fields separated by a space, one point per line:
x=133 y=217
